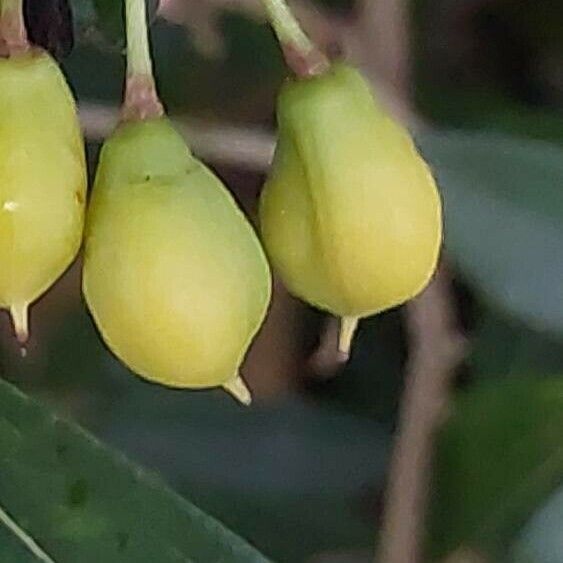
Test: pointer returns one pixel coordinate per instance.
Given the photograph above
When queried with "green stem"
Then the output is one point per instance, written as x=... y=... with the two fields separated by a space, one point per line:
x=141 y=98
x=139 y=61
x=301 y=54
x=286 y=26
x=12 y=27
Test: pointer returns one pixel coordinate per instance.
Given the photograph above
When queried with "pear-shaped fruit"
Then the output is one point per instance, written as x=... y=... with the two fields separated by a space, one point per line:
x=350 y=215
x=174 y=275
x=42 y=181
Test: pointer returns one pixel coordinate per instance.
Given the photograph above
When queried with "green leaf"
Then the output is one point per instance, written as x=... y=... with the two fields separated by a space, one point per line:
x=499 y=456
x=504 y=219
x=110 y=17
x=488 y=110
x=296 y=477
x=502 y=346
x=65 y=497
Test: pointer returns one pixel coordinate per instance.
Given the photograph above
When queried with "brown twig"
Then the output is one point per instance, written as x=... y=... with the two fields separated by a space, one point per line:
x=246 y=148
x=12 y=28
x=384 y=44
x=328 y=359
x=436 y=348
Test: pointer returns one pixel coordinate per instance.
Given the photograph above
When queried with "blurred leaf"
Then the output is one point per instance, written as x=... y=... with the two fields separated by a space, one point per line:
x=86 y=20
x=504 y=219
x=502 y=346
x=294 y=478
x=80 y=502
x=541 y=541
x=499 y=456
x=110 y=17
x=489 y=110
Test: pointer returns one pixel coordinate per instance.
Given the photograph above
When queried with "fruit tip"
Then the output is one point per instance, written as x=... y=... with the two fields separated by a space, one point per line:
x=20 y=321
x=348 y=326
x=239 y=390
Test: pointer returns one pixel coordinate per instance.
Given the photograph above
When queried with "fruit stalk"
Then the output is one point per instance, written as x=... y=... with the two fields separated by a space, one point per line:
x=12 y=27
x=303 y=57
x=141 y=98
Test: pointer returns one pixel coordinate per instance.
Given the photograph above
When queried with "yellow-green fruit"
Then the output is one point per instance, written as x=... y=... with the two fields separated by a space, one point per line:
x=42 y=181
x=350 y=215
x=174 y=275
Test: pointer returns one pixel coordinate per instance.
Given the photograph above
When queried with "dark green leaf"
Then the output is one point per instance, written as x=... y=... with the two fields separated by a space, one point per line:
x=295 y=477
x=110 y=17
x=78 y=501
x=499 y=457
x=504 y=219
x=502 y=346
x=488 y=110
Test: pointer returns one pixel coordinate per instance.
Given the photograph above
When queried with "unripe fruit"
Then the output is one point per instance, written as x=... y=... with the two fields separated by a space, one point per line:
x=42 y=181
x=350 y=215
x=174 y=275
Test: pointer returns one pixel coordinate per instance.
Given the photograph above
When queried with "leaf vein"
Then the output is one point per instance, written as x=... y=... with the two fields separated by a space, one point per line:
x=24 y=537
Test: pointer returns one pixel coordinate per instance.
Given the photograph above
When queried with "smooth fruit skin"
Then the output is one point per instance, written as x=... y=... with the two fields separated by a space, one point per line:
x=174 y=275
x=350 y=215
x=42 y=181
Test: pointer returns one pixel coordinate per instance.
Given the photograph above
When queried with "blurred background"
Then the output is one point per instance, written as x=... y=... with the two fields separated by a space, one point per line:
x=301 y=473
